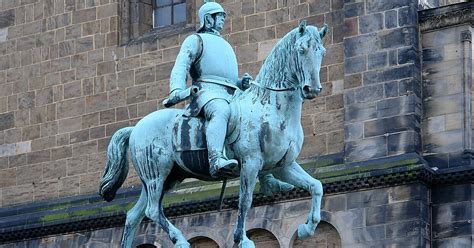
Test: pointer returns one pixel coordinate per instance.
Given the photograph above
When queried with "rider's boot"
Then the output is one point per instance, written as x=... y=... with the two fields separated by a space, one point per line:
x=220 y=165
x=217 y=114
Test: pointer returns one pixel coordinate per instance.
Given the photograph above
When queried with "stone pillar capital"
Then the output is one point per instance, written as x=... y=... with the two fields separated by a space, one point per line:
x=466 y=36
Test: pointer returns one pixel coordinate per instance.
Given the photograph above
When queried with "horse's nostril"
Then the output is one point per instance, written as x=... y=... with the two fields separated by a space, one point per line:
x=307 y=89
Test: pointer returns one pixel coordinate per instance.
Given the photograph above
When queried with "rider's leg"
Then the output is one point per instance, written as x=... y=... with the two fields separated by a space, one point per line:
x=217 y=113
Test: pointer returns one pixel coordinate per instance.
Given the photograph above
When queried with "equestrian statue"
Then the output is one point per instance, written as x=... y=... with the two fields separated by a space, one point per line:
x=231 y=127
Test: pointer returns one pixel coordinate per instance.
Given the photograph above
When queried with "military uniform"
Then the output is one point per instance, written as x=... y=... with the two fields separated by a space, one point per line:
x=212 y=64
x=199 y=57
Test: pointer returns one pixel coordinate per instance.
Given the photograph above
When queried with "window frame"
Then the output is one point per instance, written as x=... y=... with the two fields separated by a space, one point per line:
x=133 y=30
x=172 y=5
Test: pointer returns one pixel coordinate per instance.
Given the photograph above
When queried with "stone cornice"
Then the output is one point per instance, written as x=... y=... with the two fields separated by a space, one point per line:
x=450 y=15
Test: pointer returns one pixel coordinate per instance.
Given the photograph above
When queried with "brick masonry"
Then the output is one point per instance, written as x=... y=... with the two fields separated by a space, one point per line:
x=66 y=85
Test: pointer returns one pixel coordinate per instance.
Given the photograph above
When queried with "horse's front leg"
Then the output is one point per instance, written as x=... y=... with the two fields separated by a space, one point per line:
x=248 y=178
x=295 y=175
x=269 y=185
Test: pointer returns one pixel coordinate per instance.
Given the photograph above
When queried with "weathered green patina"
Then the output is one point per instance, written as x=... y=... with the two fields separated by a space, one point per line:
x=264 y=122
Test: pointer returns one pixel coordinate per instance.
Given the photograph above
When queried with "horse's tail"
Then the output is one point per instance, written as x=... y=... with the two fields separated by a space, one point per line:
x=116 y=169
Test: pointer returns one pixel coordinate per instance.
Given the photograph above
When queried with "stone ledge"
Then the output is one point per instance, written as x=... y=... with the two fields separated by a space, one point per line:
x=89 y=212
x=446 y=16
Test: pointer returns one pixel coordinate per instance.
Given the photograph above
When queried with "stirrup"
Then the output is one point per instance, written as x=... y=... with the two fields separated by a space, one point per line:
x=223 y=167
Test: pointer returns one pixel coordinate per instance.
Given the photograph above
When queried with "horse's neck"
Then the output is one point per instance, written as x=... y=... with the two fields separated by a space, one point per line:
x=288 y=104
x=277 y=72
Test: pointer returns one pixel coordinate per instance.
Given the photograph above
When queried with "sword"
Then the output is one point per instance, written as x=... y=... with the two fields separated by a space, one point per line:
x=180 y=96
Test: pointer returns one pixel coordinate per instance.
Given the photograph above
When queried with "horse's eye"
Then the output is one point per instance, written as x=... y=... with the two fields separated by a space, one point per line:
x=301 y=50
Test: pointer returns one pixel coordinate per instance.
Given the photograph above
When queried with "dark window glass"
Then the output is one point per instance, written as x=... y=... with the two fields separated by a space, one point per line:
x=163 y=16
x=161 y=3
x=169 y=12
x=179 y=11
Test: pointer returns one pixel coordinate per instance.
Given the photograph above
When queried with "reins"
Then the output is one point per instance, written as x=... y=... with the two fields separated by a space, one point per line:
x=274 y=89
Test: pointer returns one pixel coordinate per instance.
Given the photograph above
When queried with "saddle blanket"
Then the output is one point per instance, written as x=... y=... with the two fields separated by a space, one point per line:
x=189 y=134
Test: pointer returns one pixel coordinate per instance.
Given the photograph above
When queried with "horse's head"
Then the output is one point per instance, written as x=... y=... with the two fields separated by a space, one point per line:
x=310 y=52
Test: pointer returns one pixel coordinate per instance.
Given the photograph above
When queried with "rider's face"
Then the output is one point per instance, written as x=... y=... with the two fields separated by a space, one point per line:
x=219 y=20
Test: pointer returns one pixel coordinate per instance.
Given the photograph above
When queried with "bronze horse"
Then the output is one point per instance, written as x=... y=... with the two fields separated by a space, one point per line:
x=270 y=137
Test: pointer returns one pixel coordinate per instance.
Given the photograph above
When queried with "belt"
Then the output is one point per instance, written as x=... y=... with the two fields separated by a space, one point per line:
x=217 y=80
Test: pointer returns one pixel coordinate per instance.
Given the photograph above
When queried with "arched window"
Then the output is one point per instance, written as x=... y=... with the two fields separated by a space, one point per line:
x=263 y=238
x=146 y=246
x=203 y=242
x=326 y=236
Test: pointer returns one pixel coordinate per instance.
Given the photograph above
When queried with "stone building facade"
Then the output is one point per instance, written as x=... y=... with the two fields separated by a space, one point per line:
x=390 y=136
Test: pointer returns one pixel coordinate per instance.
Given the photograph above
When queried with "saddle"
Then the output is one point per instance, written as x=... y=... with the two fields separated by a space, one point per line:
x=189 y=140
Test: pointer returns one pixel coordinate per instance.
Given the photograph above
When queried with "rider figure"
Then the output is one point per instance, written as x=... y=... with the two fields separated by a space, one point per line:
x=212 y=64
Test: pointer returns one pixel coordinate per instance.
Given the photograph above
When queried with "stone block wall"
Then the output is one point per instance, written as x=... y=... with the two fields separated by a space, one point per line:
x=452 y=216
x=385 y=217
x=382 y=86
x=447 y=94
x=66 y=84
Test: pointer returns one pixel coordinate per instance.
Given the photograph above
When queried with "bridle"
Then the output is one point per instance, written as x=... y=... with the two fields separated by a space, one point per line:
x=280 y=89
x=275 y=89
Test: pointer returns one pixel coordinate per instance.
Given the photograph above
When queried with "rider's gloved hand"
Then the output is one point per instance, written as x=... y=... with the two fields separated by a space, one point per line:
x=246 y=81
x=174 y=93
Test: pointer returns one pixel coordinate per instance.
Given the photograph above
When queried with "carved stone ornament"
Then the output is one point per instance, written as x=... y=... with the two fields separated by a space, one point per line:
x=466 y=36
x=450 y=15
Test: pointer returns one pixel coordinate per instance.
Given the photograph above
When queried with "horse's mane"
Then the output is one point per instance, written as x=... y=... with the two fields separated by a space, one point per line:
x=276 y=71
x=275 y=68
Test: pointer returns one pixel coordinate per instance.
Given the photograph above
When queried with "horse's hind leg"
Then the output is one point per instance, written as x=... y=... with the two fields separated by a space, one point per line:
x=295 y=175
x=155 y=212
x=134 y=217
x=156 y=175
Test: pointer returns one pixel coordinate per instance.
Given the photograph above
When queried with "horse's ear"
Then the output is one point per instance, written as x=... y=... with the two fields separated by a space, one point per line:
x=323 y=31
x=302 y=27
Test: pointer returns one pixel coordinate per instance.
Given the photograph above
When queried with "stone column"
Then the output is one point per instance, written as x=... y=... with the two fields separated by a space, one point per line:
x=382 y=79
x=466 y=40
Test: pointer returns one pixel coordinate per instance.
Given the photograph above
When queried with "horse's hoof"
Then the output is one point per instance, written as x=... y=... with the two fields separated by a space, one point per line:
x=304 y=231
x=182 y=245
x=246 y=243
